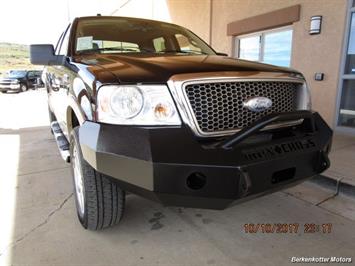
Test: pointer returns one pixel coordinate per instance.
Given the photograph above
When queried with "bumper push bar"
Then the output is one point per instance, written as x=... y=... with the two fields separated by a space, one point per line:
x=258 y=125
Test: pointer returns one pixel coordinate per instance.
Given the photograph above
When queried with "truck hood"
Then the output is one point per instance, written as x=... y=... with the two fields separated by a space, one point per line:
x=132 y=69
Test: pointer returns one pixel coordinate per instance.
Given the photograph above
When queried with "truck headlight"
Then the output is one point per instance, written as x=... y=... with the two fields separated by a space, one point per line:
x=126 y=102
x=136 y=105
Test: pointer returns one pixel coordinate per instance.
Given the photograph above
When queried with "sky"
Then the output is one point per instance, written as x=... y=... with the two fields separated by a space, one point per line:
x=42 y=21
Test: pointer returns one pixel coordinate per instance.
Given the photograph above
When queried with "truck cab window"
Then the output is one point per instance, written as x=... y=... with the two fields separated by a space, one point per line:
x=186 y=44
x=31 y=74
x=159 y=44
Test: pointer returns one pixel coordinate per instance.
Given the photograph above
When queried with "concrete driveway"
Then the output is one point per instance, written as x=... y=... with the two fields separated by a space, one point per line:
x=39 y=224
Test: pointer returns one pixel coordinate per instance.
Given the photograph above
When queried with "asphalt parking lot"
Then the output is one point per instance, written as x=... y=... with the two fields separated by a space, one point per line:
x=39 y=224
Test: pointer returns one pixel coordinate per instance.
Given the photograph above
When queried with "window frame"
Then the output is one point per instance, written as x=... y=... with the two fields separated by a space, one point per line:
x=31 y=74
x=57 y=46
x=65 y=36
x=342 y=75
x=236 y=42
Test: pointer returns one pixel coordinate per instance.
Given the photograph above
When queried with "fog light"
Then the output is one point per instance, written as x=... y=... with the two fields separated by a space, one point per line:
x=196 y=181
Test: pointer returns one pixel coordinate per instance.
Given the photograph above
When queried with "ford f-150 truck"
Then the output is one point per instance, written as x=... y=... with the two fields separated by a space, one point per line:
x=148 y=107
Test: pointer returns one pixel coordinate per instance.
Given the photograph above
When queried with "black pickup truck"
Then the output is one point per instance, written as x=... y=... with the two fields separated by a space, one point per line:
x=148 y=107
x=20 y=80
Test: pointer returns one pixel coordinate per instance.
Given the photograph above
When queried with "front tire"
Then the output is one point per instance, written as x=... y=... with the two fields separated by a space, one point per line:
x=99 y=201
x=23 y=88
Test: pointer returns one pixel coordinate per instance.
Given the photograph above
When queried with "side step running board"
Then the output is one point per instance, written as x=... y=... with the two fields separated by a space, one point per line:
x=62 y=142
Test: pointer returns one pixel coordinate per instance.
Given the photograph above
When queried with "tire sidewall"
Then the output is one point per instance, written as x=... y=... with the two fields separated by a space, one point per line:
x=74 y=141
x=23 y=88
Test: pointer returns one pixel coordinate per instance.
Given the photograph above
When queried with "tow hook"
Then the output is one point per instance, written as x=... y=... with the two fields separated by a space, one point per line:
x=323 y=162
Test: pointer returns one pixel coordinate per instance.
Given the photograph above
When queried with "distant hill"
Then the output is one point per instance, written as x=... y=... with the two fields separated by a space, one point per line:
x=14 y=56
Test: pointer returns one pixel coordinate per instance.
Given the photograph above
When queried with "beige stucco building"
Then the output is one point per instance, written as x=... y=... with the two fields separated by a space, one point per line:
x=256 y=29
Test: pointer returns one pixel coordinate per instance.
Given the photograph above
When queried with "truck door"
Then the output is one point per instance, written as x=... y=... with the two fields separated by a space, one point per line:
x=31 y=79
x=59 y=76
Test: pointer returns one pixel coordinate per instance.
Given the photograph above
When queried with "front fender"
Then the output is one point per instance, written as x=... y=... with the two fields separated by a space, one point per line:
x=79 y=104
x=75 y=108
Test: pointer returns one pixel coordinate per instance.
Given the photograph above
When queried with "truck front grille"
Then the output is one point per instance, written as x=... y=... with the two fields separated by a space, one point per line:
x=5 y=82
x=218 y=106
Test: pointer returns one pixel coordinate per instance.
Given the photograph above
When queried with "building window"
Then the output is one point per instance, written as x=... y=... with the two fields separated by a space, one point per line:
x=271 y=47
x=249 y=48
x=346 y=111
x=350 y=55
x=347 y=104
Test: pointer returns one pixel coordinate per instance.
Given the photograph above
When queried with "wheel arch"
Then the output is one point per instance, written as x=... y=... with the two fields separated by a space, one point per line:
x=79 y=105
x=74 y=118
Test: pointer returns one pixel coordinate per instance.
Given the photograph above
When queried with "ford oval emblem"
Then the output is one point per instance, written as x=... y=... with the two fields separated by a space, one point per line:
x=258 y=104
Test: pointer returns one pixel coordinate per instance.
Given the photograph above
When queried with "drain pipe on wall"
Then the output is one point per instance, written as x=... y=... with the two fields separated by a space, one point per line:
x=211 y=20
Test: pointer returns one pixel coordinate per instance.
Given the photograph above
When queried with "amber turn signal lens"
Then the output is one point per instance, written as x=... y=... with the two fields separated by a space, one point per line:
x=162 y=111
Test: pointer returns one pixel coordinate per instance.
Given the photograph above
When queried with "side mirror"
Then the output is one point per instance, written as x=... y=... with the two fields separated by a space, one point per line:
x=43 y=54
x=222 y=54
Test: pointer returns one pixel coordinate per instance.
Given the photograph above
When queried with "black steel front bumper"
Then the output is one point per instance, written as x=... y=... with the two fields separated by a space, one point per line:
x=171 y=165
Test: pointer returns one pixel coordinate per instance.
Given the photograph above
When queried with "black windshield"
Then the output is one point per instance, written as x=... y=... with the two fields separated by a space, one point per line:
x=16 y=73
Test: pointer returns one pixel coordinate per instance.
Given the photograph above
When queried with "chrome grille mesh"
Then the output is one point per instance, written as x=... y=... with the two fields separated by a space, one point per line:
x=218 y=106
